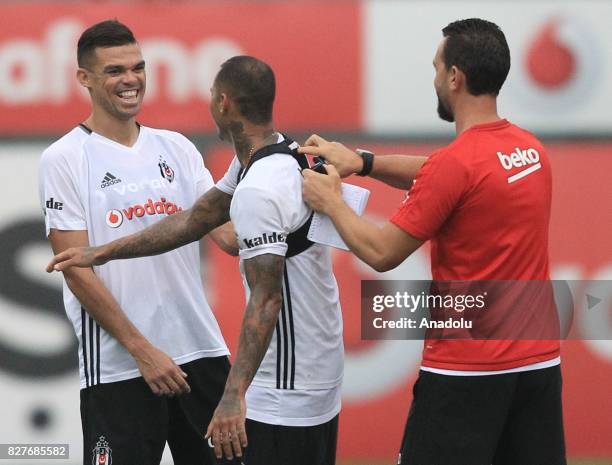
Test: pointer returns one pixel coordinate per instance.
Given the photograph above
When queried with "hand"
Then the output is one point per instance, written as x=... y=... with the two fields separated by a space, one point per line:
x=323 y=193
x=344 y=159
x=160 y=372
x=83 y=257
x=227 y=428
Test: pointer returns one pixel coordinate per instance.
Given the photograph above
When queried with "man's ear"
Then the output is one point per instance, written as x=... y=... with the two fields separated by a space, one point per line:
x=82 y=76
x=224 y=103
x=456 y=78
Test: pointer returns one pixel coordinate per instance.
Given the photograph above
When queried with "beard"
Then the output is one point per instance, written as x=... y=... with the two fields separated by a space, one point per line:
x=444 y=112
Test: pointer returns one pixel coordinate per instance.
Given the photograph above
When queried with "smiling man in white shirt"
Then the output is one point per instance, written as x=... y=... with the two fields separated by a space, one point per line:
x=152 y=360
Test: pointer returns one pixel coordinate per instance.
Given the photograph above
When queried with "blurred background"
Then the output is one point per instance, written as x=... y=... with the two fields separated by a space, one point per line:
x=355 y=71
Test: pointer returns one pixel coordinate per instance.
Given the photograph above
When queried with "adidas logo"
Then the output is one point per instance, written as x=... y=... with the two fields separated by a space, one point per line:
x=109 y=180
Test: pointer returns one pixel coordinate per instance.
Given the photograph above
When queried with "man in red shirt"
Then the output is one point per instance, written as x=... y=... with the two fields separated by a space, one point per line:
x=484 y=203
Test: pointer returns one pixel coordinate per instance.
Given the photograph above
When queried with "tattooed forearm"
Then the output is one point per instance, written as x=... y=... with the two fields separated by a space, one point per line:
x=209 y=211
x=264 y=275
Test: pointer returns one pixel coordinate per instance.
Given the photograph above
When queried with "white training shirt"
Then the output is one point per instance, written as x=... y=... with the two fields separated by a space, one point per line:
x=89 y=182
x=299 y=380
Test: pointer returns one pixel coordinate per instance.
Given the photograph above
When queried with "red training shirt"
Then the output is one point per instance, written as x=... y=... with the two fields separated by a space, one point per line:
x=484 y=202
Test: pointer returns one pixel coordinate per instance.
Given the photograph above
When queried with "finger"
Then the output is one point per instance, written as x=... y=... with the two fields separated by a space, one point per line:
x=242 y=435
x=315 y=139
x=214 y=434
x=235 y=441
x=226 y=443
x=60 y=257
x=164 y=385
x=332 y=171
x=311 y=176
x=217 y=446
x=209 y=436
x=51 y=266
x=311 y=150
x=173 y=387
x=155 y=389
x=65 y=264
x=183 y=386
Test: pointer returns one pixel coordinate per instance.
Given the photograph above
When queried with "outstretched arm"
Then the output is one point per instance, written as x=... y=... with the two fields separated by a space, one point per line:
x=264 y=274
x=225 y=238
x=395 y=170
x=159 y=371
x=209 y=211
x=381 y=247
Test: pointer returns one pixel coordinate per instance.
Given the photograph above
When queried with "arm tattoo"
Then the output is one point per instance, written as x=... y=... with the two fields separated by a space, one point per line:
x=209 y=211
x=265 y=276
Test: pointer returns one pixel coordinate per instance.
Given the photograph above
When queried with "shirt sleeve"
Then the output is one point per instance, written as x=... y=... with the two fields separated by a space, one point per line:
x=437 y=191
x=203 y=178
x=229 y=181
x=59 y=194
x=260 y=221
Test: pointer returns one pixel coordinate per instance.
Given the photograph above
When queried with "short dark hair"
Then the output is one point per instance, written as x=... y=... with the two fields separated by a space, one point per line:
x=109 y=33
x=479 y=49
x=251 y=84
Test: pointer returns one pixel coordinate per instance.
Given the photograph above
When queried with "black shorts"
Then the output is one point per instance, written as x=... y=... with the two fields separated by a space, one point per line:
x=126 y=421
x=291 y=445
x=506 y=419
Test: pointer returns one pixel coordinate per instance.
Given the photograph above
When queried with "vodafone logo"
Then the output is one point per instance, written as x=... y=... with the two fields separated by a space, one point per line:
x=115 y=218
x=41 y=69
x=550 y=61
x=529 y=158
x=560 y=66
